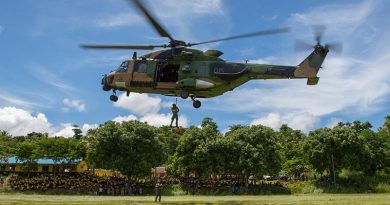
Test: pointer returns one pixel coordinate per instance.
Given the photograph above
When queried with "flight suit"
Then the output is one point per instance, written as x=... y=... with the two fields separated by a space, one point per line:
x=175 y=115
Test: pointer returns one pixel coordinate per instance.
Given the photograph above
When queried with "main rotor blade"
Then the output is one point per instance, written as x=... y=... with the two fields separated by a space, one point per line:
x=259 y=33
x=135 y=47
x=152 y=20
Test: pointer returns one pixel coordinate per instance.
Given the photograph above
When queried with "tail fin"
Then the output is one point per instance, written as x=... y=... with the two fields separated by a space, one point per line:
x=311 y=65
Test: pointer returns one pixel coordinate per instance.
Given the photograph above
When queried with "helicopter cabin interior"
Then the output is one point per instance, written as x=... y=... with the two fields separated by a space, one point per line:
x=167 y=72
x=166 y=75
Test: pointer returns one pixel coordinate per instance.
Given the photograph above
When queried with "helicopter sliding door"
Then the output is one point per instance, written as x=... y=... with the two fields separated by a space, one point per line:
x=167 y=74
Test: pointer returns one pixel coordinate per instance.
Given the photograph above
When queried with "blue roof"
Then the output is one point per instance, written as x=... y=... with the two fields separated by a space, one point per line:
x=12 y=160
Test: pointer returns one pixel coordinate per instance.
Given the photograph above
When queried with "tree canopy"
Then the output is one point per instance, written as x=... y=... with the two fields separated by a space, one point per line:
x=133 y=148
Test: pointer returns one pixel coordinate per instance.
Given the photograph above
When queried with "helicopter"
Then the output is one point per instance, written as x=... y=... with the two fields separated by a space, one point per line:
x=180 y=71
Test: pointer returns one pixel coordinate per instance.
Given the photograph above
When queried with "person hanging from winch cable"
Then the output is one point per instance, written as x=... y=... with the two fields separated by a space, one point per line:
x=175 y=115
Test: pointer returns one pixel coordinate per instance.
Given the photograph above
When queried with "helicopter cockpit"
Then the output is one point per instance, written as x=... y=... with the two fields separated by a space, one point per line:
x=123 y=67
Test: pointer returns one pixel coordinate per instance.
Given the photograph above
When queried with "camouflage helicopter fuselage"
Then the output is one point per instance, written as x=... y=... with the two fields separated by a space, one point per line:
x=181 y=71
x=192 y=73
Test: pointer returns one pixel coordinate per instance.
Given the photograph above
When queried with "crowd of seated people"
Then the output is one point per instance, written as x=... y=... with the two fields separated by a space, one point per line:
x=108 y=185
x=119 y=185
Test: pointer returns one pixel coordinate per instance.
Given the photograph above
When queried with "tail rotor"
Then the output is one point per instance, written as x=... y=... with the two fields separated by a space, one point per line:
x=318 y=31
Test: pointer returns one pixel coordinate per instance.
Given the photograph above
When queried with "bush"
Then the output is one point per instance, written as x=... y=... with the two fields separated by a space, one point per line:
x=303 y=187
x=383 y=188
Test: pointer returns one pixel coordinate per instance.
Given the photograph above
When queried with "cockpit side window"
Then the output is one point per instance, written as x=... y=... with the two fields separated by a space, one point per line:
x=123 y=67
x=141 y=66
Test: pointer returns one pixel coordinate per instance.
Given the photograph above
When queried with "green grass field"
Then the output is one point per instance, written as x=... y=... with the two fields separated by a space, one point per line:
x=6 y=199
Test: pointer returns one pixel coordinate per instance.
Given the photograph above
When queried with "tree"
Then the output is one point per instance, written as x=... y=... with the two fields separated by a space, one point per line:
x=184 y=161
x=26 y=152
x=219 y=156
x=257 y=151
x=380 y=146
x=7 y=145
x=192 y=153
x=209 y=126
x=291 y=149
x=169 y=139
x=34 y=136
x=386 y=124
x=77 y=132
x=130 y=147
x=4 y=133
x=334 y=149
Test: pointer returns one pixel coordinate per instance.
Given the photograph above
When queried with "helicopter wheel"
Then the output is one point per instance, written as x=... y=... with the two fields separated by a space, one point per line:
x=184 y=94
x=196 y=104
x=114 y=98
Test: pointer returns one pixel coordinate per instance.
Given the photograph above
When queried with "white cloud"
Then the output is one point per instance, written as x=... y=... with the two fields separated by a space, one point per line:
x=66 y=129
x=340 y=19
x=140 y=104
x=154 y=119
x=303 y=121
x=266 y=60
x=272 y=120
x=173 y=15
x=124 y=118
x=147 y=108
x=87 y=127
x=76 y=104
x=355 y=81
x=20 y=122
x=210 y=18
x=158 y=120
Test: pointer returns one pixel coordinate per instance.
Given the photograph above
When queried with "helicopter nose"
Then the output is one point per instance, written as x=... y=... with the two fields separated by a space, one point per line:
x=106 y=82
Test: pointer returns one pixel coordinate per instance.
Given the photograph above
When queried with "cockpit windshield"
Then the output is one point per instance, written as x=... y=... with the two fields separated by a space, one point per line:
x=123 y=67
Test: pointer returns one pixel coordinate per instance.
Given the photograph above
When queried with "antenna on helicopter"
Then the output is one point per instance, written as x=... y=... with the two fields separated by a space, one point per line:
x=135 y=55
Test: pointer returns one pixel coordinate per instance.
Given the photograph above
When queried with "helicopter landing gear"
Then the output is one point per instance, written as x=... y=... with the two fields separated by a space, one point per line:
x=184 y=94
x=113 y=97
x=196 y=103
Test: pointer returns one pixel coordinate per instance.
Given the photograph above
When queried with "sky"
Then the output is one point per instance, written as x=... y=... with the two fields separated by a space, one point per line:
x=48 y=84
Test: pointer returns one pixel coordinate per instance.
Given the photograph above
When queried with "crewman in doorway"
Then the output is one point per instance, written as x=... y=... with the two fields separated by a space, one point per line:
x=175 y=110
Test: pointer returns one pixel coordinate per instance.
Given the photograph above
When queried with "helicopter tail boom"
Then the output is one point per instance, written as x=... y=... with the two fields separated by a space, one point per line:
x=310 y=66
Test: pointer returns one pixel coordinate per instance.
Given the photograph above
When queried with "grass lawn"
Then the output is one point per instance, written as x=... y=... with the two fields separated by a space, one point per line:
x=6 y=199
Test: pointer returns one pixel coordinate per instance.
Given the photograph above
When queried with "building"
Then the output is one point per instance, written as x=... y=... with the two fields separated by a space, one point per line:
x=158 y=171
x=44 y=165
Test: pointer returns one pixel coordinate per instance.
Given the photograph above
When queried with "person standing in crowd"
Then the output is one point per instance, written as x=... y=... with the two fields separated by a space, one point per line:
x=1 y=183
x=158 y=188
x=175 y=110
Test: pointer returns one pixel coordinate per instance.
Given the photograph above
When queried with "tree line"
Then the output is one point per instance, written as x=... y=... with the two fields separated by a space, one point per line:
x=134 y=147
